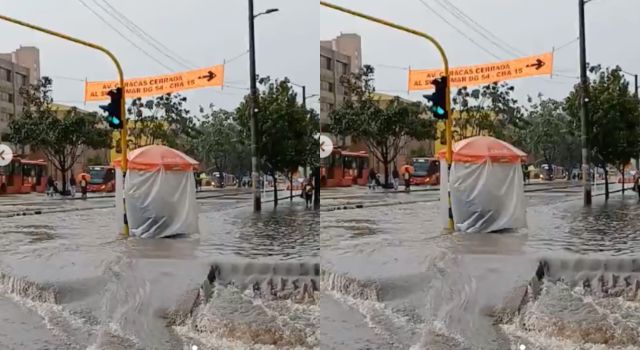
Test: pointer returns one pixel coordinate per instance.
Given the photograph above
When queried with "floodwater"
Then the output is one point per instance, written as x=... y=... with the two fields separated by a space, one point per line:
x=391 y=279
x=68 y=281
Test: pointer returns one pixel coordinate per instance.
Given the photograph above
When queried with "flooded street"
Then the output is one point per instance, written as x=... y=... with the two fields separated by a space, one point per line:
x=392 y=280
x=88 y=288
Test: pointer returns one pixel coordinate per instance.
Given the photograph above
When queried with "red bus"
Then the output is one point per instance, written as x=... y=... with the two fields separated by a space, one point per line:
x=23 y=176
x=344 y=169
x=426 y=171
x=102 y=179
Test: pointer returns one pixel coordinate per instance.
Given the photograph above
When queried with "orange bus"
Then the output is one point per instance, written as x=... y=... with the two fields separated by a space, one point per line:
x=23 y=176
x=426 y=171
x=344 y=169
x=102 y=179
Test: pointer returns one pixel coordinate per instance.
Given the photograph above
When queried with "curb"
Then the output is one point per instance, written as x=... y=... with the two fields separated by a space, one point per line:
x=49 y=211
x=375 y=204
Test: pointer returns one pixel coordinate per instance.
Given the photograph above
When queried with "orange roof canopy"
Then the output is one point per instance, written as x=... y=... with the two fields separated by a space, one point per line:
x=153 y=157
x=478 y=149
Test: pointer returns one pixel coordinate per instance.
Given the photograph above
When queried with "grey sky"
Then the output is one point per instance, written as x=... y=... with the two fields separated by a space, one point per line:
x=204 y=32
x=531 y=27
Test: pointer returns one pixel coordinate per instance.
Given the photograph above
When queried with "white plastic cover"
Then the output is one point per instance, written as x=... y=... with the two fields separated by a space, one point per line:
x=487 y=196
x=160 y=203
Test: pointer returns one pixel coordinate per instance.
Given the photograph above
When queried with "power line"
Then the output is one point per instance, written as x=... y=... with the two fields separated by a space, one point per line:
x=390 y=66
x=458 y=30
x=141 y=33
x=66 y=78
x=236 y=57
x=124 y=36
x=470 y=22
x=567 y=44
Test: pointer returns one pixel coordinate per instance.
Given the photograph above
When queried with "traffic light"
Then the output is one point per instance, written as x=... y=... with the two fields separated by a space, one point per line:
x=438 y=99
x=114 y=113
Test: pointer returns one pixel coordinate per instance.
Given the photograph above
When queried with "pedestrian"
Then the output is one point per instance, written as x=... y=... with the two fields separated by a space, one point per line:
x=83 y=186
x=72 y=185
x=50 y=186
x=308 y=192
x=406 y=175
x=372 y=180
x=395 y=174
x=636 y=186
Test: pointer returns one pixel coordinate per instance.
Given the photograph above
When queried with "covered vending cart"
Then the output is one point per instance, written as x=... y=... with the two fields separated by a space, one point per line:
x=487 y=185
x=160 y=193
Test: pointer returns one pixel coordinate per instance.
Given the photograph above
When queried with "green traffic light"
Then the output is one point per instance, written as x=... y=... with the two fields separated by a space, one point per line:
x=437 y=109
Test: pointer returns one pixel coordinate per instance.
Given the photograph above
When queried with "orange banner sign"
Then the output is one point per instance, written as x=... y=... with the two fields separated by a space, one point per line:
x=484 y=73
x=158 y=85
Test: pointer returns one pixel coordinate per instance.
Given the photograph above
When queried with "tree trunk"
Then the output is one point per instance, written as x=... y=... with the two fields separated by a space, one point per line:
x=606 y=183
x=622 y=172
x=275 y=190
x=290 y=186
x=64 y=182
x=316 y=190
x=386 y=173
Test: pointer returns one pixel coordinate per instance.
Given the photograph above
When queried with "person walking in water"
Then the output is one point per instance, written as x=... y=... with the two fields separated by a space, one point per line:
x=72 y=185
x=396 y=178
x=372 y=179
x=308 y=192
x=83 y=186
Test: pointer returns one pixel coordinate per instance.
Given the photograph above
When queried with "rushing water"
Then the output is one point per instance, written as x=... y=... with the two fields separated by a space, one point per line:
x=393 y=280
x=91 y=289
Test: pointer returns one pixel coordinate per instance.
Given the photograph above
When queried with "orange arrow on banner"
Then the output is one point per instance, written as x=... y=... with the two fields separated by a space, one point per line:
x=484 y=73
x=158 y=85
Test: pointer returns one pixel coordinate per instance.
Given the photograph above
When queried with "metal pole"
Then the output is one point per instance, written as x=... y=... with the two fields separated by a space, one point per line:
x=123 y=133
x=253 y=106
x=635 y=78
x=584 y=119
x=445 y=62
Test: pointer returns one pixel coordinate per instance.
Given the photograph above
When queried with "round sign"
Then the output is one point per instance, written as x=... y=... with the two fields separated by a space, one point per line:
x=326 y=146
x=6 y=154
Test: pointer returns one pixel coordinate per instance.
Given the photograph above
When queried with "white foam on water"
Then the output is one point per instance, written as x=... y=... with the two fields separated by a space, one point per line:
x=213 y=342
x=618 y=313
x=55 y=317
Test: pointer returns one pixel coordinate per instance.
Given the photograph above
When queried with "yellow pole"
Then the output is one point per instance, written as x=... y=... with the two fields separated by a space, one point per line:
x=121 y=80
x=445 y=61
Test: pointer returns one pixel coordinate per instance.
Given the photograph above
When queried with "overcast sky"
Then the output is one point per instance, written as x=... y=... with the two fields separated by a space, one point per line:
x=201 y=32
x=528 y=26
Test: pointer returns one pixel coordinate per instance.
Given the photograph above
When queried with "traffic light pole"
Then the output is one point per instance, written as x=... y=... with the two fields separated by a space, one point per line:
x=113 y=58
x=445 y=61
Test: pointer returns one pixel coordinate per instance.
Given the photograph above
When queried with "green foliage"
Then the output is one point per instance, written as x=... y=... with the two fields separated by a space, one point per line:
x=490 y=110
x=615 y=116
x=384 y=125
x=219 y=142
x=287 y=130
x=551 y=134
x=61 y=138
x=163 y=120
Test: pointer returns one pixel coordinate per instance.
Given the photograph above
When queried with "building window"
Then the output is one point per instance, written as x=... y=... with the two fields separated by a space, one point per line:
x=6 y=97
x=327 y=86
x=22 y=79
x=5 y=74
x=326 y=107
x=341 y=68
x=325 y=62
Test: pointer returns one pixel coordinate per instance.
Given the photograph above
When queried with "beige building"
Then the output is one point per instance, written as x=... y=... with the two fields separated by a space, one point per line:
x=17 y=69
x=338 y=57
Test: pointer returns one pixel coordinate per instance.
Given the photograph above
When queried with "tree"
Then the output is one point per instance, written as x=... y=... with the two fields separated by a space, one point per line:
x=615 y=118
x=286 y=129
x=219 y=142
x=551 y=134
x=385 y=126
x=490 y=110
x=163 y=119
x=61 y=138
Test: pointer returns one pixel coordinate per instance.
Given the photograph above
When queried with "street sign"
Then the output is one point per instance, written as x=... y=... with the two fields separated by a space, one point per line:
x=326 y=146
x=6 y=154
x=484 y=73
x=157 y=85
